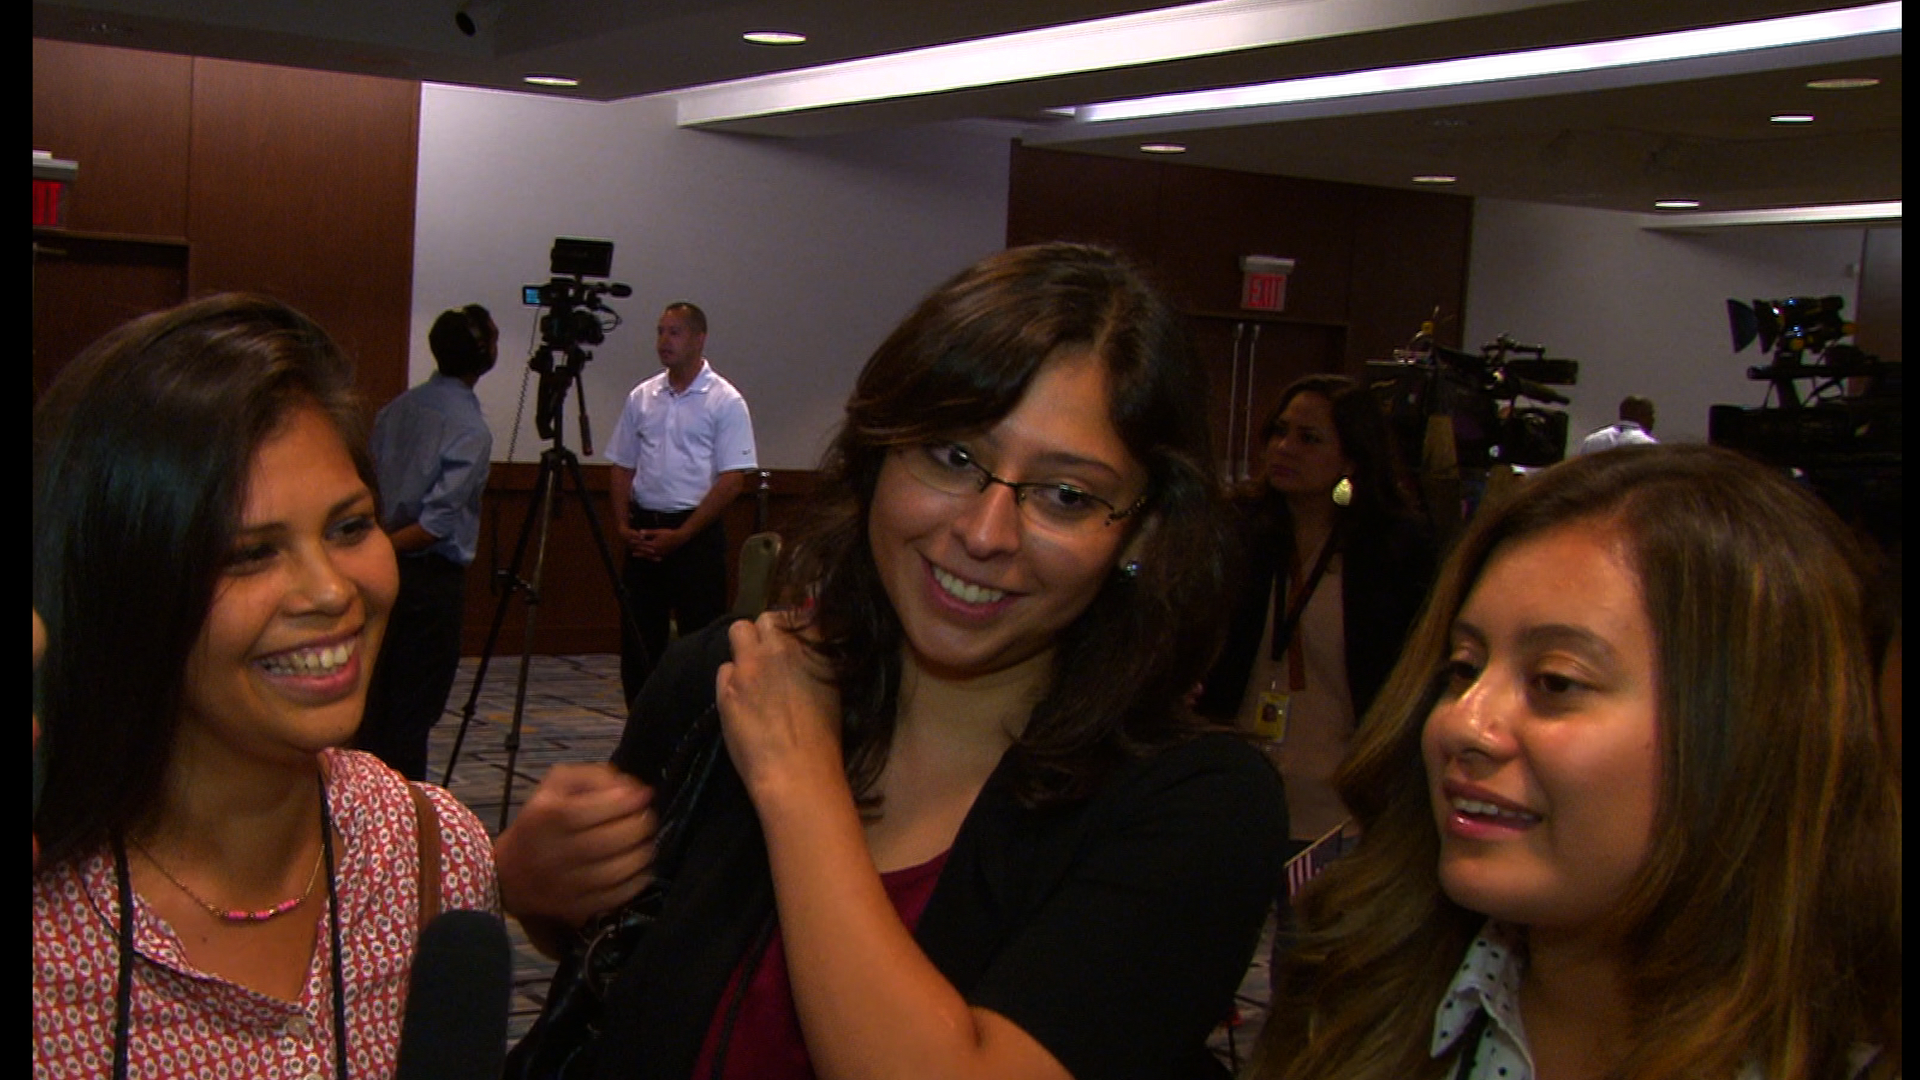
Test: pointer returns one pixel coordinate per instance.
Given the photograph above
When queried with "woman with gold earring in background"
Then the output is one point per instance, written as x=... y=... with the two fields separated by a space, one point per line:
x=1337 y=564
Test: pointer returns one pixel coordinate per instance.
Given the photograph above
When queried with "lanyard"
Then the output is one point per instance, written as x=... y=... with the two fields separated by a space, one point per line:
x=1284 y=627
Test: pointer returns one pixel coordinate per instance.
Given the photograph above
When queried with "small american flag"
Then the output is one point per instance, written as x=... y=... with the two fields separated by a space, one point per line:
x=1307 y=865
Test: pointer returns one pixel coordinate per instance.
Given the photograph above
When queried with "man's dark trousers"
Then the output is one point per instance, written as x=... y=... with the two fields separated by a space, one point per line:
x=417 y=665
x=688 y=586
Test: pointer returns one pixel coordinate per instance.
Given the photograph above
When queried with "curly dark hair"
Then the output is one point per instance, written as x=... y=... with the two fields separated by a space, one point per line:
x=959 y=364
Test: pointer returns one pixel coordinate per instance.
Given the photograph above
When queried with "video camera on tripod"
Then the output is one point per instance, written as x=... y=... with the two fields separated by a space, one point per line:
x=575 y=318
x=1849 y=414
x=1427 y=380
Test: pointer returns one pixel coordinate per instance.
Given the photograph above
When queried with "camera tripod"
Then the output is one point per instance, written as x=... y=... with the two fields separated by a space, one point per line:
x=556 y=464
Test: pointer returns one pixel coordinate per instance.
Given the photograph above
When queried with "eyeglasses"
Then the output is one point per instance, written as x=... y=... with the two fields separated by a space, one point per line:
x=1061 y=508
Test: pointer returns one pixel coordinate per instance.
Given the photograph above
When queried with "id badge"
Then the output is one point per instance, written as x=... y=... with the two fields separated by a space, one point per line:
x=1271 y=723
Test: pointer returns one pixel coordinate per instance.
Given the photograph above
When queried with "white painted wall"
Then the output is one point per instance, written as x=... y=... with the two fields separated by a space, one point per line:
x=1643 y=311
x=803 y=253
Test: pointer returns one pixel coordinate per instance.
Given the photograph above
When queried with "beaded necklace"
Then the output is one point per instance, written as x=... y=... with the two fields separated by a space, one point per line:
x=237 y=914
x=123 y=991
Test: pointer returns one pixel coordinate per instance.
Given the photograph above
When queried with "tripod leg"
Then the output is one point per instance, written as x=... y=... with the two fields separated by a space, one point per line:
x=549 y=478
x=514 y=584
x=600 y=543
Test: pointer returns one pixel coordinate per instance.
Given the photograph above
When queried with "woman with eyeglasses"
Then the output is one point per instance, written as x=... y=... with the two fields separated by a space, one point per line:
x=963 y=826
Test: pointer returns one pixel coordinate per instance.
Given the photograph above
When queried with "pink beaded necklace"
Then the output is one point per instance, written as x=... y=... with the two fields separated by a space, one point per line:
x=261 y=915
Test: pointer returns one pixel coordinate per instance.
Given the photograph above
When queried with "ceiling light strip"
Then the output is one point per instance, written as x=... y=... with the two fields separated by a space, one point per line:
x=1792 y=215
x=1668 y=48
x=1147 y=37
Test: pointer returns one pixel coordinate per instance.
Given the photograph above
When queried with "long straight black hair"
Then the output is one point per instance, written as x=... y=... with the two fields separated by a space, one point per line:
x=140 y=456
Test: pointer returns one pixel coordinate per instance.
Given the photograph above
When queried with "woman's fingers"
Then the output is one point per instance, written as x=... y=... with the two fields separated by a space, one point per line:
x=778 y=713
x=585 y=835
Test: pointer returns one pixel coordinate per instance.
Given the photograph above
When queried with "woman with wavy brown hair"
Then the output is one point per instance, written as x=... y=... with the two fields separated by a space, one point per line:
x=962 y=826
x=1626 y=810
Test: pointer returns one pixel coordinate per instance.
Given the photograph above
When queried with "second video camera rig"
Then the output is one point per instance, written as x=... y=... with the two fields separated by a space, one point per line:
x=1428 y=379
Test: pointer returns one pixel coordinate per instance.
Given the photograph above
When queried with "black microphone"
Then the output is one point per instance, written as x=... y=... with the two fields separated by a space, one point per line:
x=455 y=1026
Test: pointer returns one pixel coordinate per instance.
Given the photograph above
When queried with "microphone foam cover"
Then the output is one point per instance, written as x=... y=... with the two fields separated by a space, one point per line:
x=458 y=995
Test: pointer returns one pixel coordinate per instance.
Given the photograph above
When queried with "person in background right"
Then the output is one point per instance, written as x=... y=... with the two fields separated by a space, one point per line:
x=1333 y=492
x=1626 y=811
x=1635 y=426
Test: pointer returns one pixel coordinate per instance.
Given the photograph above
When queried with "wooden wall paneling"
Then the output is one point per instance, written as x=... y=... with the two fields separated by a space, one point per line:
x=1410 y=255
x=1283 y=351
x=1370 y=262
x=124 y=116
x=1055 y=195
x=577 y=612
x=1209 y=218
x=84 y=286
x=303 y=187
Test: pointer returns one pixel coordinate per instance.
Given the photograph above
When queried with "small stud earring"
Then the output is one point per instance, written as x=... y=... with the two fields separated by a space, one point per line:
x=1130 y=569
x=1343 y=492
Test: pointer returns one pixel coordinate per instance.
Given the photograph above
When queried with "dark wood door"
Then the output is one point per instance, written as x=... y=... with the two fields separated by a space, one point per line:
x=85 y=286
x=1249 y=360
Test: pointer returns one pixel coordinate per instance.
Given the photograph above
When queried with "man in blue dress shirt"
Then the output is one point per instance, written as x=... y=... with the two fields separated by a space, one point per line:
x=431 y=449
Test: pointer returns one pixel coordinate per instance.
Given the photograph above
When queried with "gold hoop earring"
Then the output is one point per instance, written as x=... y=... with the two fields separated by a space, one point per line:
x=1343 y=492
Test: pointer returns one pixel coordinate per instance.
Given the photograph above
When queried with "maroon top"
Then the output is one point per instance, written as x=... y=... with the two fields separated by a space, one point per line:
x=766 y=1043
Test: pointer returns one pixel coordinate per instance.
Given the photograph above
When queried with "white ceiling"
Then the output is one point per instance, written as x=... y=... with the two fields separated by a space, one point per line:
x=1616 y=142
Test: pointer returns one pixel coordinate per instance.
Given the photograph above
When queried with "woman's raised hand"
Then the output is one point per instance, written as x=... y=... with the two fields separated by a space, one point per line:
x=583 y=844
x=779 y=711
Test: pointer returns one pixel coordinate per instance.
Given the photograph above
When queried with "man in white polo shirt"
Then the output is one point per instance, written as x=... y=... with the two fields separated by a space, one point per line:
x=680 y=456
x=1635 y=426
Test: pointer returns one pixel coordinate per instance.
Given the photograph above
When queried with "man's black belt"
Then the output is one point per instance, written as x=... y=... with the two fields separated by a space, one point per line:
x=640 y=518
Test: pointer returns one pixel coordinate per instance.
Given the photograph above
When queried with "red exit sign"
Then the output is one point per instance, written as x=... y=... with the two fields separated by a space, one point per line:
x=49 y=202
x=52 y=185
x=1264 y=292
x=1263 y=284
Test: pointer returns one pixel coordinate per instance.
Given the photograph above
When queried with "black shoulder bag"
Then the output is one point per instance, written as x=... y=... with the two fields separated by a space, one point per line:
x=559 y=1045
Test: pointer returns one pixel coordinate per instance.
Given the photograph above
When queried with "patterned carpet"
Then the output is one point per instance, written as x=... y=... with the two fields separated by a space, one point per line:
x=573 y=712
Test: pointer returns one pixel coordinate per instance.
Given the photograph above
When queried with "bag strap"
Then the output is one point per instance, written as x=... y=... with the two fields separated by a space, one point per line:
x=427 y=831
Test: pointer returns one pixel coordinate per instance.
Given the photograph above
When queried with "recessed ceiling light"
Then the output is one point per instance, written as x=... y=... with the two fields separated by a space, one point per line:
x=1678 y=204
x=550 y=80
x=1792 y=118
x=1435 y=178
x=774 y=37
x=1162 y=148
x=1848 y=83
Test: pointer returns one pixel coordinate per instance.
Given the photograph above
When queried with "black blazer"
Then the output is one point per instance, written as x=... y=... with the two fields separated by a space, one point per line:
x=1138 y=894
x=1388 y=568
